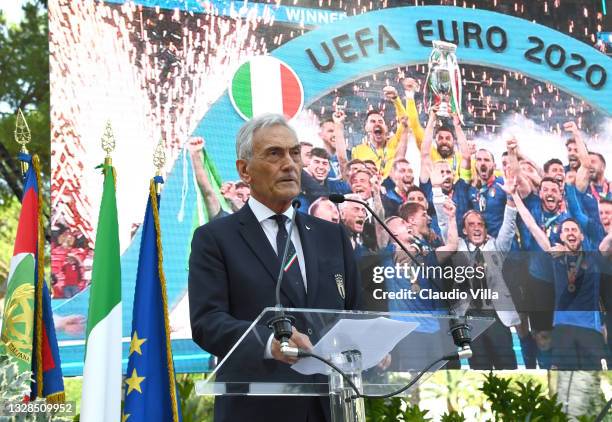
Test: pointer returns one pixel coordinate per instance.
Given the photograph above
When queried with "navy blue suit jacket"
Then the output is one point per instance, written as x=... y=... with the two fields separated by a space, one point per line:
x=232 y=277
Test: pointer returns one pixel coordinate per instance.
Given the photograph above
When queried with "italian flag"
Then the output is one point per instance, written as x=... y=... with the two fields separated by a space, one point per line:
x=101 y=400
x=264 y=84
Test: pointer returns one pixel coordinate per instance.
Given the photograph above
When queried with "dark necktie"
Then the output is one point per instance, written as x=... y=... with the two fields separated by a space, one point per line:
x=293 y=274
x=480 y=283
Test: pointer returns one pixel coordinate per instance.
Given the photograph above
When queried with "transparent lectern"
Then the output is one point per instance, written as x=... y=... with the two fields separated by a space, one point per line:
x=380 y=352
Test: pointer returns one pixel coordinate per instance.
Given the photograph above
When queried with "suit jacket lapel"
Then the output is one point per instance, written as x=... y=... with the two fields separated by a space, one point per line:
x=307 y=238
x=254 y=236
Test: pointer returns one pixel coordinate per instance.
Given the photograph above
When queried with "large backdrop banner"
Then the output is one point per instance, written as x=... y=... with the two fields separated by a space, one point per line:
x=168 y=71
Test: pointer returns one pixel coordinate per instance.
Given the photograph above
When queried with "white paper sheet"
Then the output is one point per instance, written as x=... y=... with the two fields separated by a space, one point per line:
x=374 y=338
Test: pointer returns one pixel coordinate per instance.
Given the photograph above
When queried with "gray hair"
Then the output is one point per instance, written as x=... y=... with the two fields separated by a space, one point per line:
x=244 y=138
x=343 y=205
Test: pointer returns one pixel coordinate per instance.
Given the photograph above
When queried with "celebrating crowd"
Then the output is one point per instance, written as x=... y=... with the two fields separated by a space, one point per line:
x=541 y=235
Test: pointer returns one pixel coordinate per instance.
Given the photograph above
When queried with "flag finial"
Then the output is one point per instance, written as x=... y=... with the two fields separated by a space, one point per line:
x=23 y=136
x=159 y=160
x=108 y=142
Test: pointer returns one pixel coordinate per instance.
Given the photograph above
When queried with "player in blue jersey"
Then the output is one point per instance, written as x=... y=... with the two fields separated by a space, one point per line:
x=577 y=339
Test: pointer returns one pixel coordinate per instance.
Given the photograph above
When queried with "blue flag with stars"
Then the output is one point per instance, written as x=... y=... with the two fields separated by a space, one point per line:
x=150 y=386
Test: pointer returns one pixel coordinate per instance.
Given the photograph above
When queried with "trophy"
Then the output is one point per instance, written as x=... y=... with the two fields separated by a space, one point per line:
x=443 y=84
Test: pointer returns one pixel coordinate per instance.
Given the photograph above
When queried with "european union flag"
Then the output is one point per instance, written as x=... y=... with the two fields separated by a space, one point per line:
x=150 y=390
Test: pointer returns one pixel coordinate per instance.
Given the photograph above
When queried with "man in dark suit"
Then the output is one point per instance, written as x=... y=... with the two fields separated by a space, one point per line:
x=233 y=268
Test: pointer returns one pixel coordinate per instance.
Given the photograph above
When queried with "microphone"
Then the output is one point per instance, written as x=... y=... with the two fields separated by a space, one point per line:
x=282 y=324
x=459 y=328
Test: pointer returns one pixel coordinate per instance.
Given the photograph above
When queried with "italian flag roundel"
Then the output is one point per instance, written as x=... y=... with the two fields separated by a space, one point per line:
x=265 y=84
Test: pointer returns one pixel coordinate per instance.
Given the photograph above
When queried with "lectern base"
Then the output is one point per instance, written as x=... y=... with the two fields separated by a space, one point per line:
x=345 y=408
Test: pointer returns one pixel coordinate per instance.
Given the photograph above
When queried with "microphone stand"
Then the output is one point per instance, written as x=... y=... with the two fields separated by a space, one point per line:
x=281 y=323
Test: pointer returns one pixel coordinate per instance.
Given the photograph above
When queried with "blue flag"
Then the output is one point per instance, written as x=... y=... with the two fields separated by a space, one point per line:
x=150 y=386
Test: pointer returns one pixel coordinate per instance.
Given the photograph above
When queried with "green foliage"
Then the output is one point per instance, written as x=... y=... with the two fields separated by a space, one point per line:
x=525 y=403
x=9 y=216
x=24 y=66
x=393 y=409
x=13 y=385
x=452 y=416
x=194 y=408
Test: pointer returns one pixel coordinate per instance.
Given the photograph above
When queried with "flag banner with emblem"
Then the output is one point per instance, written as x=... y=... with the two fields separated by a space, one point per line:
x=150 y=386
x=101 y=400
x=265 y=84
x=28 y=333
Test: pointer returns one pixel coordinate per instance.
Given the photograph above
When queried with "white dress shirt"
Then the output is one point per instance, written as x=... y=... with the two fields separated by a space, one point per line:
x=270 y=228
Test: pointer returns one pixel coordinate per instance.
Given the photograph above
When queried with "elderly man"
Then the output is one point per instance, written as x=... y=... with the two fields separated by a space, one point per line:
x=493 y=349
x=325 y=209
x=234 y=263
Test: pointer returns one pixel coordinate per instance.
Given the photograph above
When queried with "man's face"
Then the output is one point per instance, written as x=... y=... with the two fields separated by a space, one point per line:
x=326 y=133
x=273 y=172
x=419 y=223
x=243 y=193
x=571 y=236
x=572 y=155
x=475 y=230
x=319 y=168
x=550 y=195
x=353 y=216
x=360 y=183
x=418 y=197
x=400 y=229
x=484 y=165
x=605 y=215
x=557 y=172
x=597 y=168
x=445 y=143
x=328 y=211
x=376 y=128
x=402 y=175
x=305 y=152
x=446 y=175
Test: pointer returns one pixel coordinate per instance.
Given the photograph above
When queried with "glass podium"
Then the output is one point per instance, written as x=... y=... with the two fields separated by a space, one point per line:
x=380 y=351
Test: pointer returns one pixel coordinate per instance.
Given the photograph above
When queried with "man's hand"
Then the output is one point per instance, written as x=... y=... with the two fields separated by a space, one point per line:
x=70 y=324
x=298 y=340
x=570 y=177
x=433 y=112
x=558 y=250
x=339 y=116
x=571 y=128
x=512 y=146
x=228 y=190
x=404 y=122
x=385 y=362
x=411 y=85
x=390 y=93
x=449 y=208
x=196 y=144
